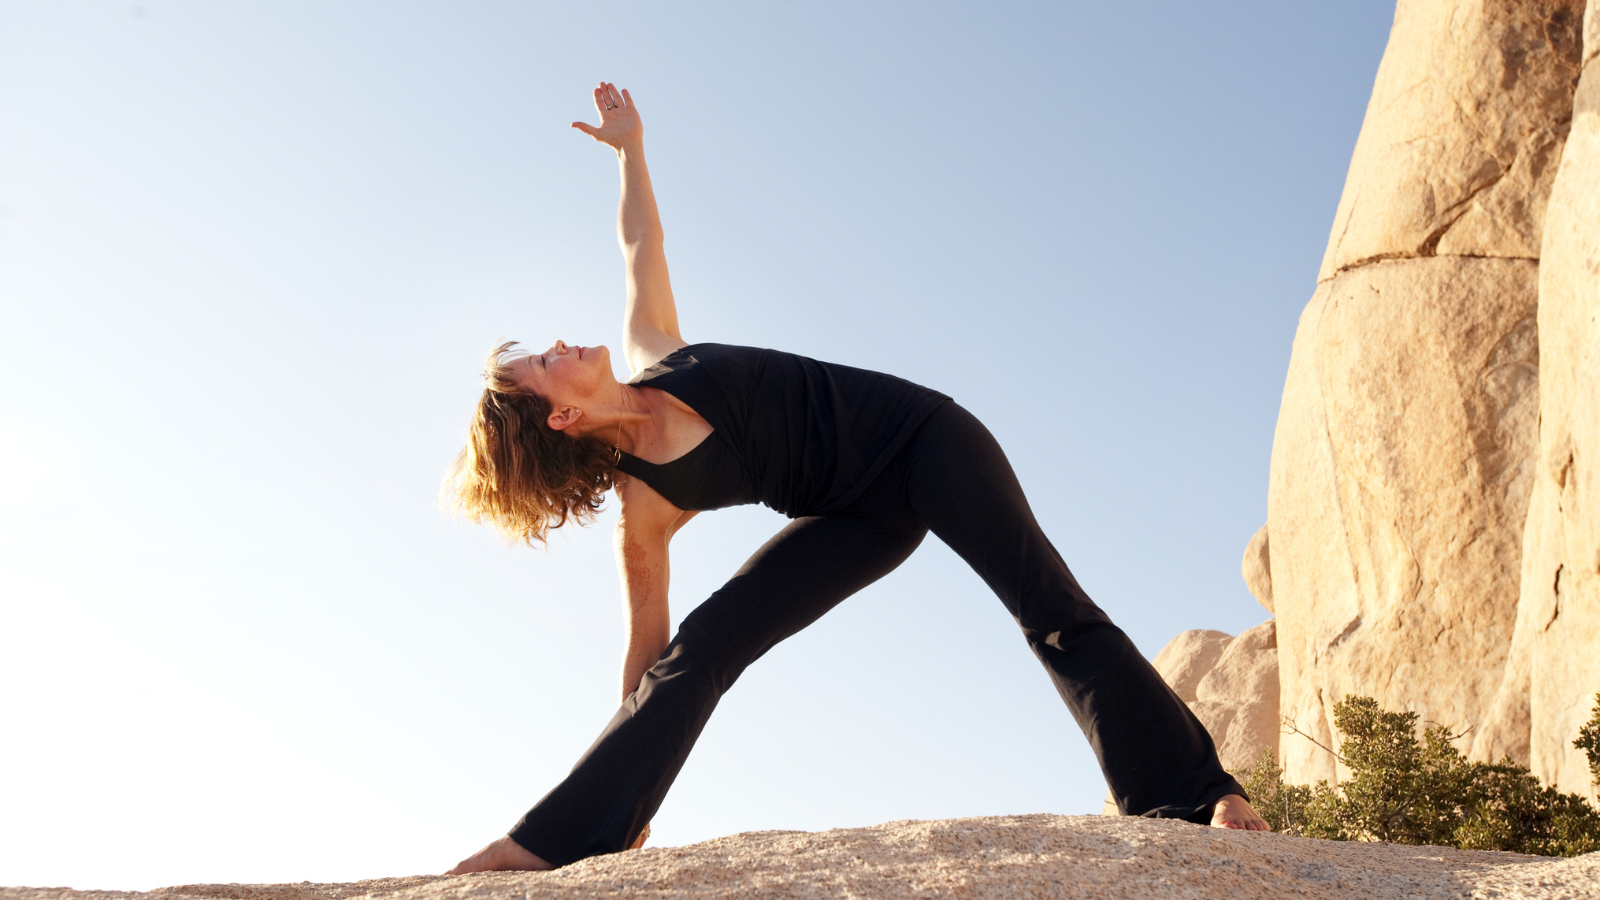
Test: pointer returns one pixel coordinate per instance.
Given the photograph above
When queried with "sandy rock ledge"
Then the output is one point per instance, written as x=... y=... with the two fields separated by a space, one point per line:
x=1008 y=856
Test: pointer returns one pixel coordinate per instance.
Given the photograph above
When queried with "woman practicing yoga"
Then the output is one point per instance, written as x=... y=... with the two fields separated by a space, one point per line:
x=864 y=464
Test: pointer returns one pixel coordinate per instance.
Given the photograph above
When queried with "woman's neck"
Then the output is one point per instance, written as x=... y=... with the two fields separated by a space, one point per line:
x=636 y=424
x=657 y=426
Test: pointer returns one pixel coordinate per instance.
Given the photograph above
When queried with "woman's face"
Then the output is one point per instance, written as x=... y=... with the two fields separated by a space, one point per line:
x=568 y=376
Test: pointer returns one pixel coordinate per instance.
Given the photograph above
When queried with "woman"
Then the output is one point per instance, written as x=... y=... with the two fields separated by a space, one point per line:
x=865 y=464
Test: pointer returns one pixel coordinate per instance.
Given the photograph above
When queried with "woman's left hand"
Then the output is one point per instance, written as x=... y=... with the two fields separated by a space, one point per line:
x=619 y=120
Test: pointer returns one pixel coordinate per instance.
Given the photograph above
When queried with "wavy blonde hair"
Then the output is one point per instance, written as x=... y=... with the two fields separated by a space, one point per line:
x=516 y=472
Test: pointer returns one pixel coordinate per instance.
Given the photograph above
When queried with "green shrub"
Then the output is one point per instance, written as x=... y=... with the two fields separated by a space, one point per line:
x=1589 y=742
x=1407 y=790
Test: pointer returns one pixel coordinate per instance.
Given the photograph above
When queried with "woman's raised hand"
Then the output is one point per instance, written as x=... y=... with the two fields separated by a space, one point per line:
x=619 y=120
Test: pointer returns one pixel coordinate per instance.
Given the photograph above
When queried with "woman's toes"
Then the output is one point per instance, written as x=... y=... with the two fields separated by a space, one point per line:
x=1233 y=811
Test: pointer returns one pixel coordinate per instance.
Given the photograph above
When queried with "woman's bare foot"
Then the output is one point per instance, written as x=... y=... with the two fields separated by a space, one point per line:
x=1234 y=811
x=504 y=855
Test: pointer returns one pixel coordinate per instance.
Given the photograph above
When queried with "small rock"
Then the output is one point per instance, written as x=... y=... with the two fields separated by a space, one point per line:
x=1257 y=568
x=1188 y=657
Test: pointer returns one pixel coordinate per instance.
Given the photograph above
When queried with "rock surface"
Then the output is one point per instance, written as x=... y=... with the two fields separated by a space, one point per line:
x=999 y=857
x=1554 y=671
x=1401 y=468
x=1237 y=700
x=1188 y=657
x=1257 y=568
x=1461 y=137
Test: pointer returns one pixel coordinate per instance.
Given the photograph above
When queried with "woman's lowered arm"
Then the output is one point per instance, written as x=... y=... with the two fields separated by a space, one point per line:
x=650 y=322
x=644 y=531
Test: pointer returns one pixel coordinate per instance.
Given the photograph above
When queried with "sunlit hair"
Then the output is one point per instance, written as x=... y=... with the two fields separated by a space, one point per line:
x=516 y=472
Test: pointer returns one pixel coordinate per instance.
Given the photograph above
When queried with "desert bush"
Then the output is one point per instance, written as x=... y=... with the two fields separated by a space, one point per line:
x=1589 y=742
x=1407 y=789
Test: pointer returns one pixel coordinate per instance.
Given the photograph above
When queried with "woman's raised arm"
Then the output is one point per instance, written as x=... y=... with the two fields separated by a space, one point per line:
x=650 y=323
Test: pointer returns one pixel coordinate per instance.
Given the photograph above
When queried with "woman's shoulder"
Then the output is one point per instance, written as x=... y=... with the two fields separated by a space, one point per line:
x=738 y=363
x=692 y=356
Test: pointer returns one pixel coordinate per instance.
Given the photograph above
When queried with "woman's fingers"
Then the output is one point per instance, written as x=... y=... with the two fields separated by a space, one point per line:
x=607 y=98
x=615 y=124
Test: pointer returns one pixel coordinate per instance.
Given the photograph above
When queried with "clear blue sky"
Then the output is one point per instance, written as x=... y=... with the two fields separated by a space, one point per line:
x=251 y=254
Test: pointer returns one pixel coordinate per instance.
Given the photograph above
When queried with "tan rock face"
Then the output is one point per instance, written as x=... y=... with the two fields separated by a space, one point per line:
x=1247 y=669
x=1401 y=469
x=1188 y=657
x=1557 y=646
x=1237 y=700
x=1591 y=34
x=1257 y=568
x=1462 y=134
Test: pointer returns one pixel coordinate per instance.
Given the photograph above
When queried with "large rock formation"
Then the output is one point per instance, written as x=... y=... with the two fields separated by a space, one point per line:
x=1403 y=458
x=1001 y=857
x=1554 y=671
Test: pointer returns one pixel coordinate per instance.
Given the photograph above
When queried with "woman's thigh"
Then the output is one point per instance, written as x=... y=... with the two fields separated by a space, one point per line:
x=960 y=484
x=803 y=571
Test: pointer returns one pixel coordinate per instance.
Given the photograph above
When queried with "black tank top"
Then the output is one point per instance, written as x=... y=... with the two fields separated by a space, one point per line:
x=801 y=436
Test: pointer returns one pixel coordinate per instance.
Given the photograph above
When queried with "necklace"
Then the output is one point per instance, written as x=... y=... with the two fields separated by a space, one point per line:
x=623 y=391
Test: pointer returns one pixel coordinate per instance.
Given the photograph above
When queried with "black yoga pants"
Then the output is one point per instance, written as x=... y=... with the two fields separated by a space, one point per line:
x=953 y=479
